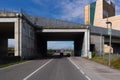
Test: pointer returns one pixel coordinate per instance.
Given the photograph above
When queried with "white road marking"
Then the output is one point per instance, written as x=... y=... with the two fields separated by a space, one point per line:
x=82 y=71
x=79 y=69
x=74 y=63
x=37 y=70
x=87 y=77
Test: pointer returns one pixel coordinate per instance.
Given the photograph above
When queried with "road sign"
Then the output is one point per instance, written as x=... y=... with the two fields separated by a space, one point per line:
x=109 y=31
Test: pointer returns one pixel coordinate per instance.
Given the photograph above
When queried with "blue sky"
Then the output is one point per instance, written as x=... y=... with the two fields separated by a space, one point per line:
x=68 y=10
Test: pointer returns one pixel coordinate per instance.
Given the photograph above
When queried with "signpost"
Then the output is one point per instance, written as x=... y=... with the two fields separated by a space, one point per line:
x=109 y=33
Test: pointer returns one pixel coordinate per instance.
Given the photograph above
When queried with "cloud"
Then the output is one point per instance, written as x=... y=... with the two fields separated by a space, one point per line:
x=117 y=7
x=68 y=9
x=72 y=9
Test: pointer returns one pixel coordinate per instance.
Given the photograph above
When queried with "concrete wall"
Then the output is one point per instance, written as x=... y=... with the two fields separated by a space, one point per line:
x=28 y=40
x=98 y=41
x=42 y=21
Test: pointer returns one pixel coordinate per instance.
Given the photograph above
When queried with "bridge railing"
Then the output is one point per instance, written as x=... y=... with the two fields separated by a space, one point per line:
x=8 y=12
x=37 y=20
x=47 y=22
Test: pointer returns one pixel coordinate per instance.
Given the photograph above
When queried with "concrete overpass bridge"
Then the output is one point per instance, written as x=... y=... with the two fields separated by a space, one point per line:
x=31 y=34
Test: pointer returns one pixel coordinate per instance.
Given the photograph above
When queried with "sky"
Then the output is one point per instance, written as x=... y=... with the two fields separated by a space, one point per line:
x=68 y=10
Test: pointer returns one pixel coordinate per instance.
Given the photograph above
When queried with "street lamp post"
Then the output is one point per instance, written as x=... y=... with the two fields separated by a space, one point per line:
x=109 y=32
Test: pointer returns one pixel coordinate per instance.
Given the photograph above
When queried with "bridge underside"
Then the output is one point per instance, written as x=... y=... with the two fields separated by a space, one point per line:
x=6 y=32
x=77 y=37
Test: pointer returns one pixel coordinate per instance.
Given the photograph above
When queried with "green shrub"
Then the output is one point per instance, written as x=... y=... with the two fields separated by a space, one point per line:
x=93 y=54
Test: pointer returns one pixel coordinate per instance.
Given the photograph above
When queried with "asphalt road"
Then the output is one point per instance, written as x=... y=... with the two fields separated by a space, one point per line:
x=46 y=69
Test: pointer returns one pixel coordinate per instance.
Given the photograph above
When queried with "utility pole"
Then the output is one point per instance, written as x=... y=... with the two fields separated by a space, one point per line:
x=109 y=33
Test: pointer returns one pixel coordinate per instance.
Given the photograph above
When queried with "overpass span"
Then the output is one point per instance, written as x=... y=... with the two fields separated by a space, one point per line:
x=32 y=32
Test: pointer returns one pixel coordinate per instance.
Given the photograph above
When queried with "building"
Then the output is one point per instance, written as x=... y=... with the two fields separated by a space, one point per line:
x=98 y=13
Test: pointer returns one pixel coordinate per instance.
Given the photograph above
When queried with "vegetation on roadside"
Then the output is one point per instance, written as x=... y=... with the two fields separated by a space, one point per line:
x=12 y=63
x=116 y=63
x=51 y=51
x=10 y=60
x=10 y=51
x=93 y=54
x=115 y=60
x=100 y=60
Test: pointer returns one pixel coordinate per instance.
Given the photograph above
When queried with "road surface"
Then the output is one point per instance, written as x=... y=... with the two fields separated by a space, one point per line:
x=45 y=69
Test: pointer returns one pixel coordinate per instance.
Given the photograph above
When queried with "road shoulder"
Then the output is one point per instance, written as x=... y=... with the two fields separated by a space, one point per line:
x=96 y=71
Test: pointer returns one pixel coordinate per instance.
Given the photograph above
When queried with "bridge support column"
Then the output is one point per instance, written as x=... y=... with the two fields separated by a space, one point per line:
x=86 y=43
x=17 y=37
x=3 y=46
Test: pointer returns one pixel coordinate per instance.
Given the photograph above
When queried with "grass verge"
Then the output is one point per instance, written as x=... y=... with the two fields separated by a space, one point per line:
x=115 y=63
x=11 y=63
x=100 y=60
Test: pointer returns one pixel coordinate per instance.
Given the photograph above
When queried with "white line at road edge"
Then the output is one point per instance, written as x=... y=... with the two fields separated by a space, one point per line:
x=79 y=69
x=73 y=63
x=37 y=70
x=87 y=77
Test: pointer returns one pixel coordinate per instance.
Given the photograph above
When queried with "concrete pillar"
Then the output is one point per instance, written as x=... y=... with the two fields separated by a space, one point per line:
x=17 y=37
x=86 y=43
x=3 y=46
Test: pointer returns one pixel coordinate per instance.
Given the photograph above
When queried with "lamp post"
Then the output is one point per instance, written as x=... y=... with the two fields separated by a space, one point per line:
x=109 y=33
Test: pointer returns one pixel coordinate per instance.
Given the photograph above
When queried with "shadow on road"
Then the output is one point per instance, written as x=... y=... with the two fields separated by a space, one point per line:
x=51 y=57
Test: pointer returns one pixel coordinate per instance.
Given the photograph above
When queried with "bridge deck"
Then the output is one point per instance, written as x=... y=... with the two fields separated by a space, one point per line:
x=46 y=23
